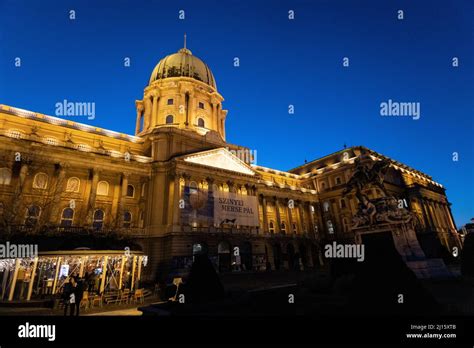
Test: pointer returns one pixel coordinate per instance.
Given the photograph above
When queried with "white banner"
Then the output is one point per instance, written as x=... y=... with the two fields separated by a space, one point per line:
x=234 y=209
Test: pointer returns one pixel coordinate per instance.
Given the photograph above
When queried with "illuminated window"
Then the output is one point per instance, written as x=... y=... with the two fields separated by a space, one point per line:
x=40 y=181
x=170 y=101
x=103 y=188
x=130 y=191
x=201 y=122
x=127 y=219
x=67 y=217
x=5 y=176
x=98 y=222
x=201 y=105
x=73 y=184
x=271 y=227
x=169 y=119
x=32 y=215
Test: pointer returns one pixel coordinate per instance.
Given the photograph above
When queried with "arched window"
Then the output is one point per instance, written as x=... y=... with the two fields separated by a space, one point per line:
x=343 y=203
x=169 y=119
x=338 y=181
x=40 y=181
x=103 y=188
x=294 y=228
x=130 y=191
x=66 y=217
x=201 y=122
x=73 y=184
x=127 y=219
x=322 y=186
x=32 y=215
x=283 y=227
x=98 y=222
x=5 y=176
x=271 y=227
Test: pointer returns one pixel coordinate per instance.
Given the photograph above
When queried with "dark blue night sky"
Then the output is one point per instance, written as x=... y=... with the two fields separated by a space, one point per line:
x=282 y=62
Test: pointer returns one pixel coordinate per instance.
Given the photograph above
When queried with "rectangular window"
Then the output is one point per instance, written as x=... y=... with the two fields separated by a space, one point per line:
x=170 y=101
x=201 y=105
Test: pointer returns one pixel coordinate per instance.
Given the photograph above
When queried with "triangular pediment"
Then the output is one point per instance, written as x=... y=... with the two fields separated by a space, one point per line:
x=220 y=158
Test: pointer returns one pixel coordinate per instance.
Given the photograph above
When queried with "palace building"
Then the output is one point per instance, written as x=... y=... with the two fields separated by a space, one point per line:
x=179 y=188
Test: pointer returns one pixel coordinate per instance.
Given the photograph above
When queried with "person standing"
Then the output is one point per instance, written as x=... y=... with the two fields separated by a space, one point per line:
x=78 y=294
x=69 y=296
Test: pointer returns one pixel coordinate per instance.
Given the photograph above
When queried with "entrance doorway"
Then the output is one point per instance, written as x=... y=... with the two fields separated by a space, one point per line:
x=223 y=256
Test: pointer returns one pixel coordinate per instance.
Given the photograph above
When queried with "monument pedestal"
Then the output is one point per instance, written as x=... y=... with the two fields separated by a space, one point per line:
x=407 y=246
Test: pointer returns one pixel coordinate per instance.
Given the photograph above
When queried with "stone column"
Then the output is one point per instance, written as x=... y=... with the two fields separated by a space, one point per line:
x=176 y=197
x=56 y=200
x=192 y=108
x=433 y=213
x=310 y=218
x=210 y=199
x=154 y=114
x=425 y=209
x=92 y=196
x=123 y=194
x=300 y=216
x=139 y=117
x=449 y=217
x=265 y=217
x=278 y=222
x=289 y=212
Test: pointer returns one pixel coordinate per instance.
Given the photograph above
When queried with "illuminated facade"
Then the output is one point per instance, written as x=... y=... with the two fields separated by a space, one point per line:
x=62 y=175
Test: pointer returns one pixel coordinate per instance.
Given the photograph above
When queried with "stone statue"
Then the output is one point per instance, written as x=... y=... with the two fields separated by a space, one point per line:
x=365 y=177
x=384 y=209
